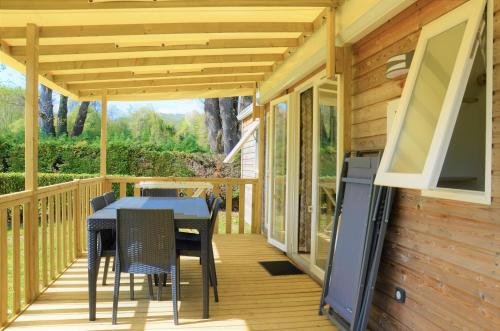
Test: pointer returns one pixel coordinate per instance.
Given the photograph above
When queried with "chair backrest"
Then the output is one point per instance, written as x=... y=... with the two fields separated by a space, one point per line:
x=98 y=203
x=210 y=202
x=109 y=197
x=145 y=240
x=213 y=217
x=159 y=192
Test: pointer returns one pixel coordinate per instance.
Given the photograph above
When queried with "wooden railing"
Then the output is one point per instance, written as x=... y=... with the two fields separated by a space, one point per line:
x=233 y=210
x=34 y=251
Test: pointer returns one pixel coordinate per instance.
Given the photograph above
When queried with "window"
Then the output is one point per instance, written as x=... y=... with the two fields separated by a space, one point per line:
x=439 y=139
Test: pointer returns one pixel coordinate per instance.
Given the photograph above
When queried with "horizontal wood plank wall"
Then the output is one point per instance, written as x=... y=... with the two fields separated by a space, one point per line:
x=248 y=167
x=445 y=254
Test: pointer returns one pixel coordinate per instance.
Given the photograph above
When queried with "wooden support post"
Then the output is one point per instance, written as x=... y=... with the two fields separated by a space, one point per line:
x=104 y=132
x=254 y=103
x=16 y=258
x=330 y=44
x=260 y=168
x=346 y=95
x=31 y=162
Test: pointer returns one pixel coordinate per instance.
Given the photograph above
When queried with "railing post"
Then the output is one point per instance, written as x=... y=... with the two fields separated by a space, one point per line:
x=78 y=215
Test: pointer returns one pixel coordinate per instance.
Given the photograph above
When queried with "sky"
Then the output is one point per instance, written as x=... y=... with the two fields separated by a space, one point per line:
x=11 y=77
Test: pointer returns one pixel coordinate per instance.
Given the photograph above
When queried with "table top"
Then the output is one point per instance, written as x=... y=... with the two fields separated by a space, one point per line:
x=184 y=208
x=175 y=185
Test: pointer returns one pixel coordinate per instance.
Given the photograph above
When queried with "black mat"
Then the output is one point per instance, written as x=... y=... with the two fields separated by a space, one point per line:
x=280 y=268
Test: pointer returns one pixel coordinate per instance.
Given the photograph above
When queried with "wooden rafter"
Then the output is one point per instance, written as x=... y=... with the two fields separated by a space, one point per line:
x=157 y=29
x=96 y=4
x=123 y=76
x=166 y=82
x=154 y=62
x=104 y=48
x=164 y=89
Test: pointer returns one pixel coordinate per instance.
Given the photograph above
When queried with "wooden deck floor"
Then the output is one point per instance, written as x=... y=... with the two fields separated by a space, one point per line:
x=250 y=299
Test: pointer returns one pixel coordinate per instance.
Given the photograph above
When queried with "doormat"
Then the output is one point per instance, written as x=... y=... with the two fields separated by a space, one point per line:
x=280 y=268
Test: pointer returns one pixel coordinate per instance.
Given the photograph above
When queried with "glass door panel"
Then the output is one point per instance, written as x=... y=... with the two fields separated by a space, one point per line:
x=327 y=170
x=277 y=226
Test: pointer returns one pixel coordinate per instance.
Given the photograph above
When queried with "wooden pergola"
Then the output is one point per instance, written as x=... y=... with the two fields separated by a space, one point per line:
x=153 y=50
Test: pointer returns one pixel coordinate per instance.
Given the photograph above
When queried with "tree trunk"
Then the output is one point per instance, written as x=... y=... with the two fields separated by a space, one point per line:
x=46 y=111
x=80 y=119
x=214 y=125
x=62 y=116
x=230 y=127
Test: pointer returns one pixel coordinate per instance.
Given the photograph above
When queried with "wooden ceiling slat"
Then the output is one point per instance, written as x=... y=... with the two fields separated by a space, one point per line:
x=85 y=4
x=107 y=76
x=164 y=89
x=111 y=47
x=165 y=82
x=157 y=29
x=161 y=61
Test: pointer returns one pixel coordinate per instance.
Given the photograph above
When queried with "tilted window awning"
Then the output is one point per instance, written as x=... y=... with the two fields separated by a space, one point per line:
x=250 y=131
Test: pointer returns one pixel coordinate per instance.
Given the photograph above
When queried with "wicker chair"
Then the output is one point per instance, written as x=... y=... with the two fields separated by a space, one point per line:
x=210 y=201
x=145 y=244
x=189 y=244
x=159 y=192
x=105 y=239
x=109 y=197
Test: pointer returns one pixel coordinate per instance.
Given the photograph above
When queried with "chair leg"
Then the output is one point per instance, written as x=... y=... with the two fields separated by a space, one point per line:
x=174 y=294
x=105 y=272
x=156 y=279
x=150 y=287
x=213 y=273
x=113 y=265
x=131 y=287
x=160 y=284
x=116 y=292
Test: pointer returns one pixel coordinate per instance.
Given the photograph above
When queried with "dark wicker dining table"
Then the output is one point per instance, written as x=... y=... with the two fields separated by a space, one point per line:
x=189 y=213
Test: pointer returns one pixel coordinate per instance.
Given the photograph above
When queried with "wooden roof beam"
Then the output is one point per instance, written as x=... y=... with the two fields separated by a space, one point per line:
x=164 y=89
x=157 y=61
x=166 y=82
x=102 y=48
x=157 y=29
x=109 y=76
x=96 y=4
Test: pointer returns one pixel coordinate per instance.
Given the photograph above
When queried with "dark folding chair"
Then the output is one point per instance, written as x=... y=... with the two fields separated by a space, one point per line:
x=189 y=244
x=210 y=201
x=109 y=197
x=159 y=192
x=145 y=244
x=105 y=239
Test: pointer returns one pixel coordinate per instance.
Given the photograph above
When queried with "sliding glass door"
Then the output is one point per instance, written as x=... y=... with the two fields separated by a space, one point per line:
x=278 y=166
x=326 y=169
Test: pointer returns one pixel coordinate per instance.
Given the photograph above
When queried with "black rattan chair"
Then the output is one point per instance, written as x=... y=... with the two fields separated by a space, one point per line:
x=210 y=201
x=145 y=244
x=189 y=244
x=109 y=197
x=105 y=239
x=159 y=192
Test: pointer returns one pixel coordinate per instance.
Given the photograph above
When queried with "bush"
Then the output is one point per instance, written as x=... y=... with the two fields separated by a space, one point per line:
x=124 y=158
x=14 y=181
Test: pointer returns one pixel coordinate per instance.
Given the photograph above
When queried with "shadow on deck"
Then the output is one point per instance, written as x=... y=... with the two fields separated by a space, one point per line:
x=250 y=299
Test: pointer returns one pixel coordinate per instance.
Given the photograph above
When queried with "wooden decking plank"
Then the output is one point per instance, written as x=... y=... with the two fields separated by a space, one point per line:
x=249 y=300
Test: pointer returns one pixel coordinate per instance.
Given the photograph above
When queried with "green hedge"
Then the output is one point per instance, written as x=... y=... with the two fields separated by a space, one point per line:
x=14 y=181
x=124 y=158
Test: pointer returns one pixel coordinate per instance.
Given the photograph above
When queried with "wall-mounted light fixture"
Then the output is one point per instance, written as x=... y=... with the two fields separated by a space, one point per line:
x=398 y=65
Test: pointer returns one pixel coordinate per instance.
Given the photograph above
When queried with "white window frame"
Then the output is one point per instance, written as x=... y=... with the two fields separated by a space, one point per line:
x=288 y=100
x=480 y=197
x=472 y=12
x=252 y=127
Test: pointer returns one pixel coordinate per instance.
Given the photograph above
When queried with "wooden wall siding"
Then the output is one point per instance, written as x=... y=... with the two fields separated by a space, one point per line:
x=445 y=254
x=248 y=167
